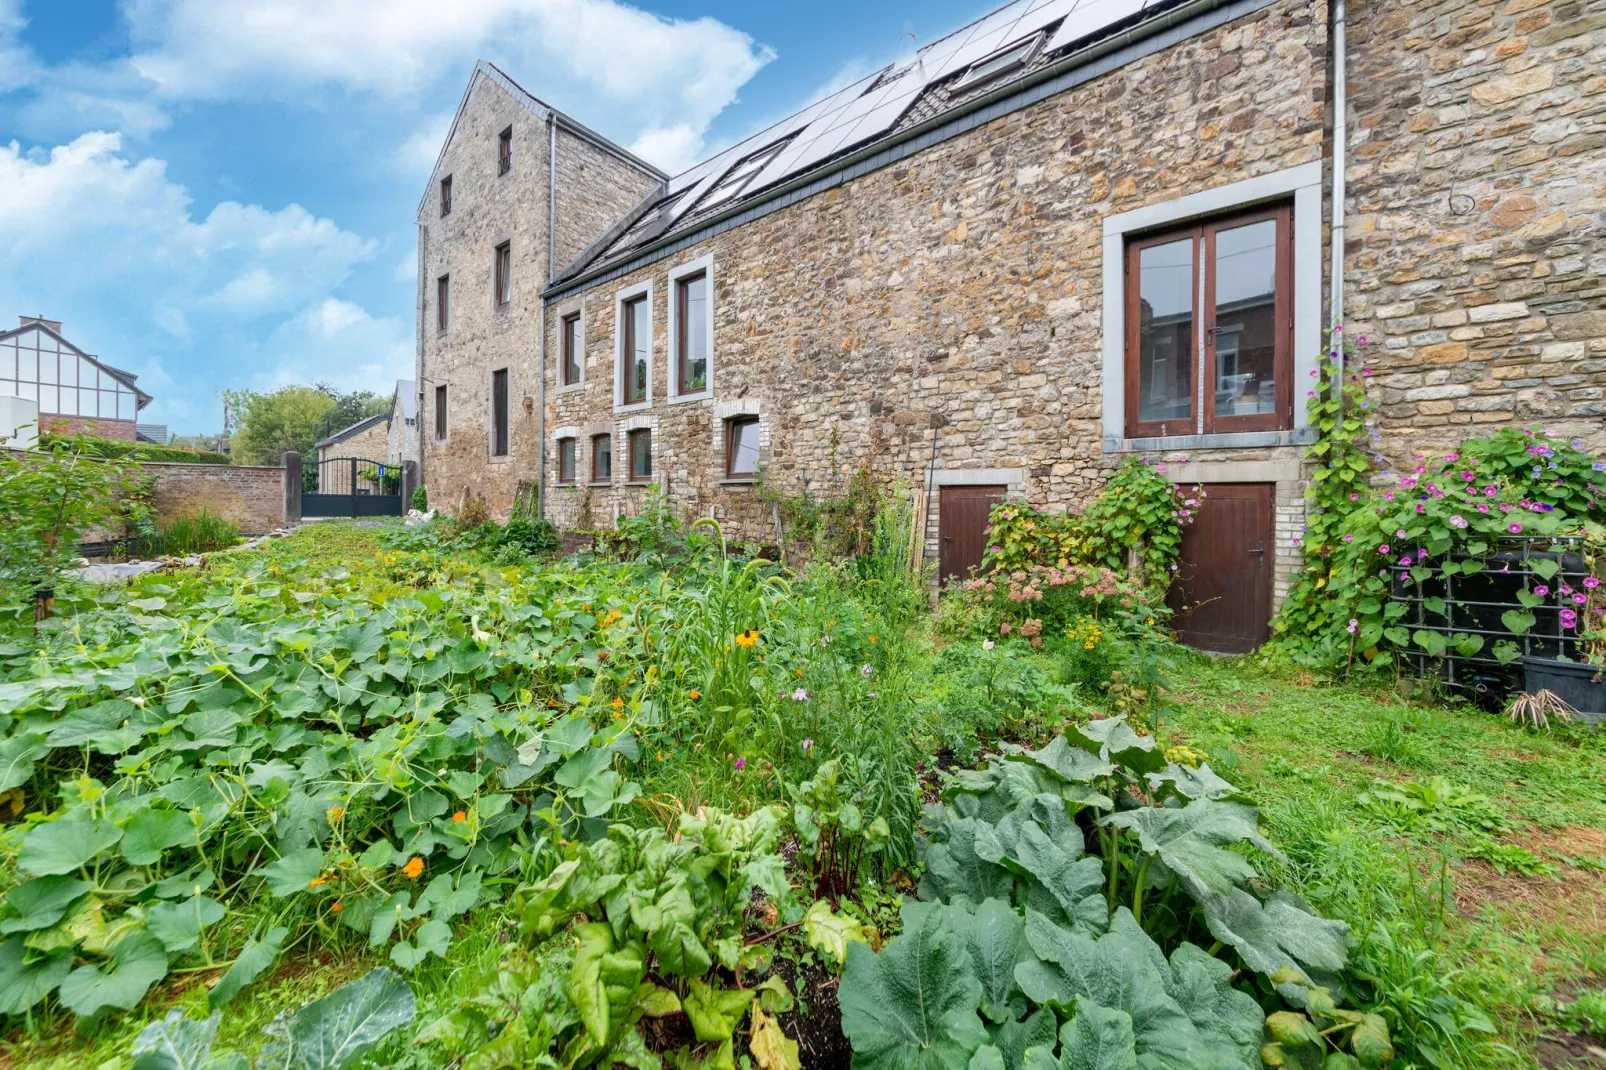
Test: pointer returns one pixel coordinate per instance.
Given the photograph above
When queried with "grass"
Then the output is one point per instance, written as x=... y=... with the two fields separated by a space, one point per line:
x=1434 y=921
x=1444 y=936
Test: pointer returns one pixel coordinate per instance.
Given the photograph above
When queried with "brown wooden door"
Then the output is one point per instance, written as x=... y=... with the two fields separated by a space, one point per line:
x=1222 y=590
x=962 y=527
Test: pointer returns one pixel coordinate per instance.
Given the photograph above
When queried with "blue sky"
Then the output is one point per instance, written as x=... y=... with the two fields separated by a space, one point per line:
x=220 y=193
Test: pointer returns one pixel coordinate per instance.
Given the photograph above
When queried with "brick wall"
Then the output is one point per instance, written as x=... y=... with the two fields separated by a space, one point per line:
x=1477 y=232
x=251 y=496
x=84 y=425
x=955 y=296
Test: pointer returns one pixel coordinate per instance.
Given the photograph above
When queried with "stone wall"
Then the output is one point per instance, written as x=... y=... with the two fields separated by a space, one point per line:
x=122 y=430
x=481 y=336
x=1476 y=259
x=952 y=300
x=250 y=496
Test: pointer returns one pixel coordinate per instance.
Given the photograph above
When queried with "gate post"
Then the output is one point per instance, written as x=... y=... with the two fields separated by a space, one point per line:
x=352 y=487
x=409 y=483
x=292 y=489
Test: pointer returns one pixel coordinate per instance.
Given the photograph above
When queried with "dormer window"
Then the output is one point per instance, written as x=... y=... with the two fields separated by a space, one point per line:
x=1006 y=59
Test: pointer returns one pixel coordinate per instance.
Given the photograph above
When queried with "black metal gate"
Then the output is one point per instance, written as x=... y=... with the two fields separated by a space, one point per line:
x=354 y=486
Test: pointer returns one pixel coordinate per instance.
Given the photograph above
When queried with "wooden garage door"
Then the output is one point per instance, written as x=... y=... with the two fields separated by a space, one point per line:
x=962 y=527
x=1222 y=591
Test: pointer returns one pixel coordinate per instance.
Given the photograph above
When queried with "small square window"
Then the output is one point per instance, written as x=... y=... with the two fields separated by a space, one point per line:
x=602 y=459
x=641 y=456
x=504 y=273
x=741 y=447
x=504 y=151
x=446 y=196
x=566 y=465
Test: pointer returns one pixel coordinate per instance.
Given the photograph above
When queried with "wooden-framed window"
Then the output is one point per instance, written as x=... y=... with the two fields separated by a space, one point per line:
x=499 y=413
x=1209 y=331
x=571 y=349
x=641 y=456
x=635 y=349
x=504 y=273
x=566 y=460
x=446 y=196
x=602 y=458
x=691 y=333
x=504 y=151
x=440 y=413
x=741 y=447
x=443 y=302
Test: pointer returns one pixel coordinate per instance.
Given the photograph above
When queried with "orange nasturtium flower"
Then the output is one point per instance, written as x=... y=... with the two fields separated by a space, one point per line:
x=747 y=638
x=694 y=695
x=335 y=813
x=413 y=868
x=459 y=817
x=618 y=703
x=321 y=879
x=338 y=906
x=872 y=638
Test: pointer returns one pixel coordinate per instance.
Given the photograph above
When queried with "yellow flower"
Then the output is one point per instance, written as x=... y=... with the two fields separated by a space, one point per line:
x=747 y=638
x=660 y=756
x=872 y=638
x=335 y=813
x=618 y=703
x=413 y=868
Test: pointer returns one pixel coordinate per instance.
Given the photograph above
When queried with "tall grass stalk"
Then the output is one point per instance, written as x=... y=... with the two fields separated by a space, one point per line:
x=201 y=533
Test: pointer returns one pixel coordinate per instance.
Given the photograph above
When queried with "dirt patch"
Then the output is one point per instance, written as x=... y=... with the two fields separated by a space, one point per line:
x=1576 y=897
x=820 y=1043
x=1569 y=1050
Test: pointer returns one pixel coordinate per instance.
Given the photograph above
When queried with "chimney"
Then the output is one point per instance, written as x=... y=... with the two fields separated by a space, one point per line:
x=54 y=325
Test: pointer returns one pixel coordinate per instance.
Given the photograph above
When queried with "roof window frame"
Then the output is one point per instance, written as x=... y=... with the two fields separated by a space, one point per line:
x=1029 y=48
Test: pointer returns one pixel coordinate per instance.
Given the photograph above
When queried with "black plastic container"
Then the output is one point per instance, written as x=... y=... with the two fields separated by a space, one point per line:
x=1577 y=683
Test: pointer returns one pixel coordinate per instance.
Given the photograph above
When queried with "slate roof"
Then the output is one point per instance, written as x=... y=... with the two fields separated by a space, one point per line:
x=988 y=57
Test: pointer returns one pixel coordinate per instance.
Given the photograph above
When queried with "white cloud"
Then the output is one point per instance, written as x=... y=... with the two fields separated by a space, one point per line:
x=88 y=233
x=616 y=65
x=339 y=343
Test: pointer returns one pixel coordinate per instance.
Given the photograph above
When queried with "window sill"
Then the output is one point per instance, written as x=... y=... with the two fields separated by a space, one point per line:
x=739 y=481
x=565 y=484
x=701 y=395
x=636 y=483
x=1299 y=436
x=600 y=483
x=634 y=406
x=505 y=458
x=570 y=388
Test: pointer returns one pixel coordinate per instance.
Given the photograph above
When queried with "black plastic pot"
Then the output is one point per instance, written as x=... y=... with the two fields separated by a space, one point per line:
x=1577 y=683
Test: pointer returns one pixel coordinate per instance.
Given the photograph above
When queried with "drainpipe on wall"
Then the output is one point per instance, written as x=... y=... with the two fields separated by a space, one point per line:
x=1340 y=161
x=418 y=359
x=551 y=260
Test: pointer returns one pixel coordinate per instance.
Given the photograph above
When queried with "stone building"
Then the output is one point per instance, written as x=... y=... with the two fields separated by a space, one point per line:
x=364 y=442
x=1069 y=233
x=76 y=392
x=401 y=439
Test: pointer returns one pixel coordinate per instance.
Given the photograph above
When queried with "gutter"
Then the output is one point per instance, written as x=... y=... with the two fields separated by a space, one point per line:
x=1174 y=17
x=418 y=357
x=1335 y=304
x=551 y=264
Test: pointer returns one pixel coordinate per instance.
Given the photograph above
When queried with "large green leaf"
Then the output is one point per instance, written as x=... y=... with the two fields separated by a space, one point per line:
x=248 y=965
x=1184 y=1012
x=995 y=939
x=1074 y=764
x=27 y=978
x=955 y=871
x=831 y=933
x=1279 y=933
x=153 y=831
x=178 y=924
x=138 y=961
x=715 y=1012
x=177 y=1042
x=65 y=844
x=1098 y=1038
x=1113 y=740
x=913 y=1006
x=42 y=902
x=17 y=757
x=293 y=873
x=339 y=1029
x=586 y=987
x=1013 y=1039
x=1193 y=841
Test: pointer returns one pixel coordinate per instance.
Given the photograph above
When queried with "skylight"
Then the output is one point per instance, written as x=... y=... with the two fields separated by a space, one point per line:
x=738 y=177
x=1005 y=59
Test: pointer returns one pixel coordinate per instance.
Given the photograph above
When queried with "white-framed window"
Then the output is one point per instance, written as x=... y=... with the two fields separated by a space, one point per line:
x=571 y=348
x=691 y=330
x=1124 y=232
x=632 y=330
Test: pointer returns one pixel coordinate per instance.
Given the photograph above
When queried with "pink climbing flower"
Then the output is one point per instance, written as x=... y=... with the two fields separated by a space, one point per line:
x=1591 y=582
x=1541 y=590
x=1515 y=529
x=1353 y=626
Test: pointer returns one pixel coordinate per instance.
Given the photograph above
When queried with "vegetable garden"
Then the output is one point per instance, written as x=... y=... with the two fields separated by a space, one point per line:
x=424 y=797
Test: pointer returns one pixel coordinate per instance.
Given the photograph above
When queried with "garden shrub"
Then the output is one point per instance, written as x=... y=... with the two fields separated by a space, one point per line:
x=420 y=500
x=1086 y=653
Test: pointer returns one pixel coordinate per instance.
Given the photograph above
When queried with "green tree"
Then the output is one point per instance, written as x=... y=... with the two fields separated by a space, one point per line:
x=268 y=425
x=348 y=409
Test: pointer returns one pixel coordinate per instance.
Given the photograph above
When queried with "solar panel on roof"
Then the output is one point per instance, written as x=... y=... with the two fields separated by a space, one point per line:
x=1091 y=16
